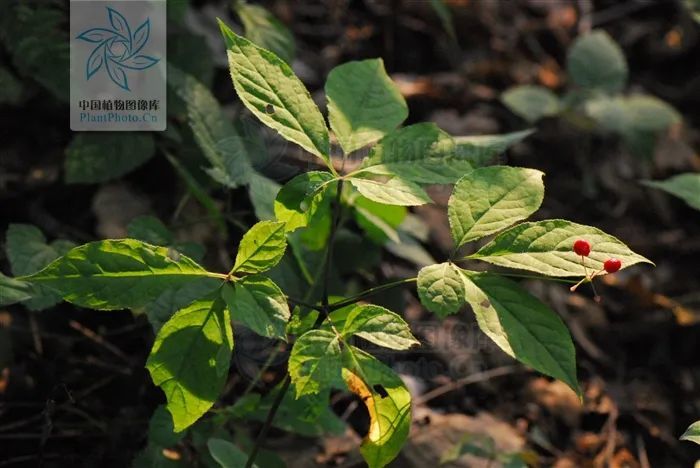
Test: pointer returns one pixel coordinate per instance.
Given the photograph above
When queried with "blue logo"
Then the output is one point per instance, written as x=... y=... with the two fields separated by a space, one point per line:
x=118 y=49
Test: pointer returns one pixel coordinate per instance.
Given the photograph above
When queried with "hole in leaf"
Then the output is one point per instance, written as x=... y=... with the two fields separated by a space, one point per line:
x=380 y=390
x=270 y=109
x=485 y=304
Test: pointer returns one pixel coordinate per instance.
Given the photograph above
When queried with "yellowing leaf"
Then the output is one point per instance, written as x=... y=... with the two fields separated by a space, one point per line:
x=388 y=402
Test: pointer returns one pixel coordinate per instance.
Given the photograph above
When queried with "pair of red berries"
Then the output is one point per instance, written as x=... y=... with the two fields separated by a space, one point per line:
x=583 y=248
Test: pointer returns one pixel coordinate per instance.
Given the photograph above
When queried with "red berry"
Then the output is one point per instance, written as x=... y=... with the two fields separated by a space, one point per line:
x=611 y=265
x=582 y=247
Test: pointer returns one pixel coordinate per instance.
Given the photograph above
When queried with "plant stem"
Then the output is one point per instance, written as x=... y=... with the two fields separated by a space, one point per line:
x=325 y=309
x=268 y=421
x=329 y=250
x=368 y=293
x=304 y=304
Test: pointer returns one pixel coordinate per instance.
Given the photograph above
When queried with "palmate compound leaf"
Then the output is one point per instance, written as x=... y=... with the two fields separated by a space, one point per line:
x=259 y=304
x=441 y=288
x=388 y=402
x=420 y=153
x=363 y=103
x=268 y=87
x=261 y=248
x=190 y=358
x=315 y=362
x=546 y=247
x=117 y=274
x=490 y=199
x=522 y=326
x=379 y=326
x=300 y=198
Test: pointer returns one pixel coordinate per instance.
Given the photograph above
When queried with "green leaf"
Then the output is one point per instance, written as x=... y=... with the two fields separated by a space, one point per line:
x=315 y=362
x=420 y=153
x=117 y=274
x=531 y=102
x=36 y=36
x=161 y=309
x=261 y=248
x=308 y=415
x=226 y=454
x=13 y=291
x=596 y=61
x=393 y=191
x=490 y=199
x=692 y=433
x=215 y=135
x=151 y=230
x=94 y=157
x=268 y=87
x=190 y=359
x=262 y=192
x=160 y=429
x=522 y=326
x=684 y=186
x=363 y=103
x=649 y=114
x=546 y=247
x=379 y=326
x=481 y=150
x=388 y=402
x=187 y=52
x=300 y=198
x=260 y=305
x=262 y=28
x=441 y=289
x=28 y=252
x=379 y=221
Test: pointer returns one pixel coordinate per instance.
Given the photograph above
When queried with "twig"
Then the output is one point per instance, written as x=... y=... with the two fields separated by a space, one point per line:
x=468 y=380
x=94 y=337
x=268 y=422
x=368 y=293
x=36 y=336
x=304 y=304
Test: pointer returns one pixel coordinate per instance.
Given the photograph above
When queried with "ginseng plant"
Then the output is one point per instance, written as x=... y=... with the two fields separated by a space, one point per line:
x=192 y=351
